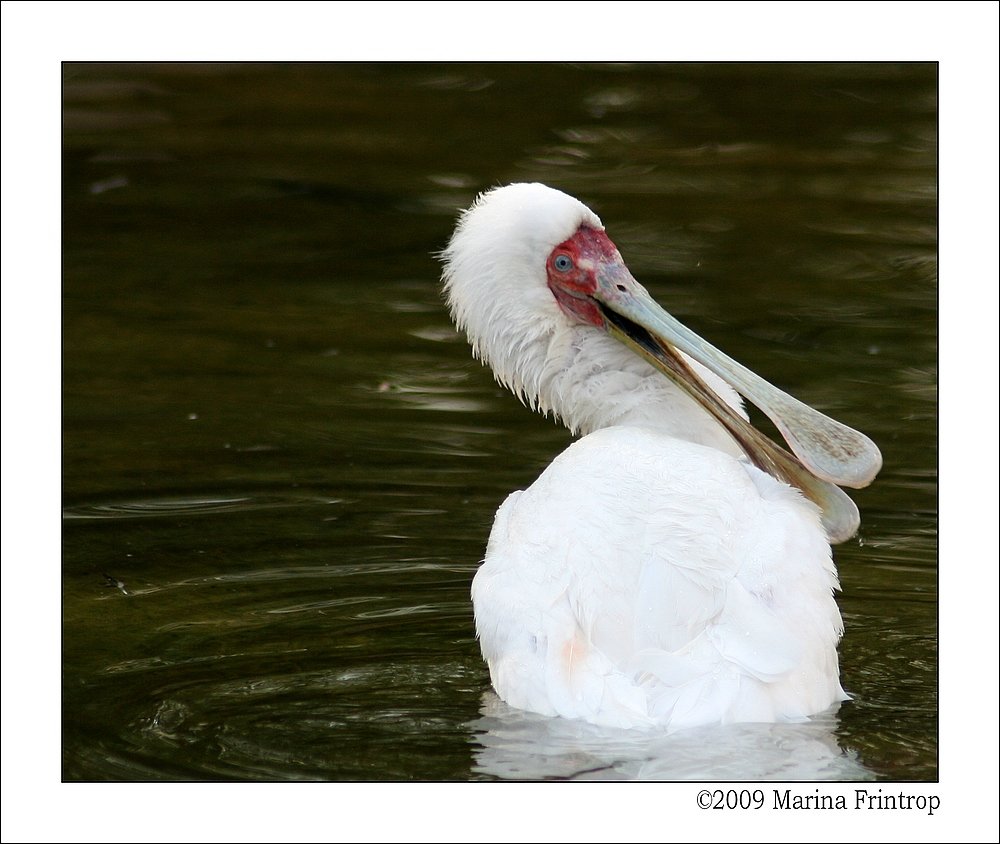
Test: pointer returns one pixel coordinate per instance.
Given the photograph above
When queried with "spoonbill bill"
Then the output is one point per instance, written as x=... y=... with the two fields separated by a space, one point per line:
x=672 y=567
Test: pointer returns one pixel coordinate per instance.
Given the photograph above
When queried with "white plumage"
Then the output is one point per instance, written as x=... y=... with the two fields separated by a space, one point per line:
x=652 y=576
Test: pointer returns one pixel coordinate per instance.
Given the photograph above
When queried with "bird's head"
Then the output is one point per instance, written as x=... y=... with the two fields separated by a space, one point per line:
x=528 y=264
x=497 y=264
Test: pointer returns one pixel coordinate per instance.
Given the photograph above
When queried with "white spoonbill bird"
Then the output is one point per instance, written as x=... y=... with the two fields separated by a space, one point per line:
x=672 y=567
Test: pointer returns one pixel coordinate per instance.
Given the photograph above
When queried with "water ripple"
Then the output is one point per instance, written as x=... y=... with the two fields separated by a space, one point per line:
x=160 y=507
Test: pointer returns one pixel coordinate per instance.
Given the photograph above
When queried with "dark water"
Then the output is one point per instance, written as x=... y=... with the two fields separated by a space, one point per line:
x=280 y=463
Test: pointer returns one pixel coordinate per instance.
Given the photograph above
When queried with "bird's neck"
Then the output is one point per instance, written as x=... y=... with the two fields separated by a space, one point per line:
x=591 y=381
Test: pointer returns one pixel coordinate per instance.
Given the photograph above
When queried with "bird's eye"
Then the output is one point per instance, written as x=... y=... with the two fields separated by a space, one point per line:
x=563 y=263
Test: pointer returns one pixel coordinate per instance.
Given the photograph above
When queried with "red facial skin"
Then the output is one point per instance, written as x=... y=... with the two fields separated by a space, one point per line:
x=573 y=286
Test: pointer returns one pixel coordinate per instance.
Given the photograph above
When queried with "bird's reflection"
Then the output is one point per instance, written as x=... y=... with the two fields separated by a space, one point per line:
x=512 y=744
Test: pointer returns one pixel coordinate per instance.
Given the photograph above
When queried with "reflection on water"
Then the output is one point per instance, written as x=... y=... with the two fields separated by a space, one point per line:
x=511 y=744
x=280 y=463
